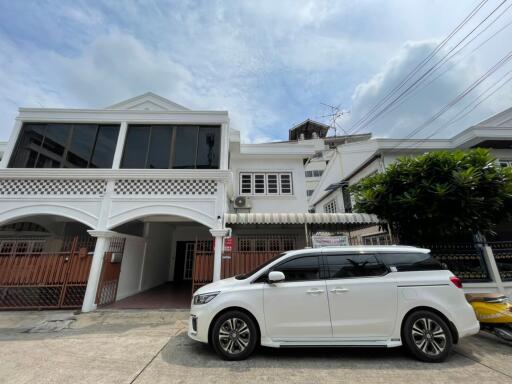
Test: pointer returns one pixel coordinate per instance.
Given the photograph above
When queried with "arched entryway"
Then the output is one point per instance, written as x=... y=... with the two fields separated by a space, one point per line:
x=44 y=261
x=160 y=254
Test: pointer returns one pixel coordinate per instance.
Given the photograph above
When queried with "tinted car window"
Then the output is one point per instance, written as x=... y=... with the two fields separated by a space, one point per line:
x=300 y=269
x=343 y=266
x=410 y=261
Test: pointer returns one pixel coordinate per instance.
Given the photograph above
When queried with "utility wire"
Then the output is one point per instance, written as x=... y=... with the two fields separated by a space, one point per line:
x=457 y=99
x=420 y=65
x=427 y=73
x=479 y=99
x=427 y=84
x=464 y=115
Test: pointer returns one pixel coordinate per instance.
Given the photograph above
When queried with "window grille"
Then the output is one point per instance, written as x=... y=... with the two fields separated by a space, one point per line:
x=331 y=207
x=266 y=183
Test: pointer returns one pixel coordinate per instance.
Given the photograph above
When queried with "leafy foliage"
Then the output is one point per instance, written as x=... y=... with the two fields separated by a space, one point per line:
x=439 y=194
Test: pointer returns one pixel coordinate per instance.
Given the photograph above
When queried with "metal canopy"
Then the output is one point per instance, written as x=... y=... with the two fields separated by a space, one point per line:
x=301 y=218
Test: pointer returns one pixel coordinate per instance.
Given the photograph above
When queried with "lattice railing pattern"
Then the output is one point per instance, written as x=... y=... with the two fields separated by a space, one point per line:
x=165 y=187
x=52 y=187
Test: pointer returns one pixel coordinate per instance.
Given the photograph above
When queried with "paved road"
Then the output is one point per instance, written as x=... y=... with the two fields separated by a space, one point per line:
x=152 y=347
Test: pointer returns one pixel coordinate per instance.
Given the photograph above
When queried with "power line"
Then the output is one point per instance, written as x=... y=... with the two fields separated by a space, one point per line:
x=420 y=65
x=479 y=99
x=465 y=114
x=428 y=72
x=424 y=86
x=458 y=98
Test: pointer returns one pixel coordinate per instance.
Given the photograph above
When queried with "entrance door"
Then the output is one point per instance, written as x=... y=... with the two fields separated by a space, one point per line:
x=297 y=308
x=362 y=296
x=184 y=264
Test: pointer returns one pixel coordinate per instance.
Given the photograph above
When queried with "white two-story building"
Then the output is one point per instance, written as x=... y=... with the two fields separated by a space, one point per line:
x=97 y=206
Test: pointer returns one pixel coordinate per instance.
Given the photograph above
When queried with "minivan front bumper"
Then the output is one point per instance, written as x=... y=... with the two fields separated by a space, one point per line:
x=199 y=322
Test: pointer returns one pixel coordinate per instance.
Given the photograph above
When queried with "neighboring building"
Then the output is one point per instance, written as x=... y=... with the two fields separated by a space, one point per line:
x=325 y=147
x=357 y=160
x=140 y=194
x=3 y=144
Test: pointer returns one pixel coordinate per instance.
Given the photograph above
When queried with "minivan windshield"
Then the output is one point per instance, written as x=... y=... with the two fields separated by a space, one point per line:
x=259 y=267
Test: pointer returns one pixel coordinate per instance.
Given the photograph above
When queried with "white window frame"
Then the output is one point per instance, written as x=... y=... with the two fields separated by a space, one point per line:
x=267 y=183
x=264 y=178
x=331 y=206
x=266 y=192
x=280 y=176
x=251 y=181
x=505 y=163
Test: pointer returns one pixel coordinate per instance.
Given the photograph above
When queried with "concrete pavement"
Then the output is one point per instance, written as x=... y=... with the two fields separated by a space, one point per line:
x=152 y=347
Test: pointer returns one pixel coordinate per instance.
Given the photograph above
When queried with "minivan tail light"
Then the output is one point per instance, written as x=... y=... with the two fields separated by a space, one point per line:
x=456 y=281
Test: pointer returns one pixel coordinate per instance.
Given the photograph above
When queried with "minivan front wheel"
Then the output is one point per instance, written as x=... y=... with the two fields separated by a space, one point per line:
x=427 y=336
x=234 y=336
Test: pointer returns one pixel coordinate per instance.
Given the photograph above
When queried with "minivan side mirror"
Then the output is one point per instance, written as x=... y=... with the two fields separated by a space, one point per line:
x=275 y=277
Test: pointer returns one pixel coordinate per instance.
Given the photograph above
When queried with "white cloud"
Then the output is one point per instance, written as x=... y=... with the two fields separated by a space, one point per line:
x=413 y=111
x=269 y=63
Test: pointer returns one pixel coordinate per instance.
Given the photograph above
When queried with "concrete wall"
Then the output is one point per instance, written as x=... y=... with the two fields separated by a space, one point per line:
x=131 y=267
x=157 y=257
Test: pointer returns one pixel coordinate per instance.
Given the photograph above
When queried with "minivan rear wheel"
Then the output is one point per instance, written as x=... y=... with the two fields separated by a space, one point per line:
x=427 y=336
x=234 y=336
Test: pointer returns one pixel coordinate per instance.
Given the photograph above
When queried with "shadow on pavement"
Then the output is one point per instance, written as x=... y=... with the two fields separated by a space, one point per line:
x=185 y=352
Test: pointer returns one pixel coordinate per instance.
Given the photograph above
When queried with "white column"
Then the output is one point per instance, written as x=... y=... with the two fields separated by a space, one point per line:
x=493 y=268
x=118 y=154
x=102 y=243
x=11 y=143
x=224 y=148
x=219 y=235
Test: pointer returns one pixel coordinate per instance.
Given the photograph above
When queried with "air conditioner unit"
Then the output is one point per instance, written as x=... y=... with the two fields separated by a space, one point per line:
x=242 y=202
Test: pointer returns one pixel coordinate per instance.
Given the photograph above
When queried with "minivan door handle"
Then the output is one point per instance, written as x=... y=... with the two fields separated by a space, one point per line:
x=314 y=291
x=339 y=290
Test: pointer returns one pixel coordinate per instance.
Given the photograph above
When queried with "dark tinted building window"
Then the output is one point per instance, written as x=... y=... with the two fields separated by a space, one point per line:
x=165 y=146
x=186 y=147
x=105 y=146
x=300 y=269
x=159 y=147
x=208 y=145
x=357 y=265
x=411 y=261
x=136 y=147
x=51 y=145
x=81 y=145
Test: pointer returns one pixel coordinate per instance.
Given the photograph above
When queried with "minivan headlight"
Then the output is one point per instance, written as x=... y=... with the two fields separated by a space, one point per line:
x=205 y=298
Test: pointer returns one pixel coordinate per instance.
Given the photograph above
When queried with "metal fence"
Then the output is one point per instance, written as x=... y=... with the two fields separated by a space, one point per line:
x=502 y=251
x=33 y=278
x=465 y=260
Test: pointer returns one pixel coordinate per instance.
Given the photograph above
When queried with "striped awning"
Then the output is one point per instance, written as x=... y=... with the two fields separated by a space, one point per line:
x=301 y=218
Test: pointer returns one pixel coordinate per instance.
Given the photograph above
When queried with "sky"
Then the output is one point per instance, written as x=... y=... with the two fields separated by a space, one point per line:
x=270 y=63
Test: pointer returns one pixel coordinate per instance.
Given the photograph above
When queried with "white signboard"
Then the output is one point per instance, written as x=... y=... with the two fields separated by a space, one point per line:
x=329 y=241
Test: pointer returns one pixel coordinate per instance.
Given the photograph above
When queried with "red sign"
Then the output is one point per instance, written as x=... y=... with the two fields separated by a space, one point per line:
x=228 y=244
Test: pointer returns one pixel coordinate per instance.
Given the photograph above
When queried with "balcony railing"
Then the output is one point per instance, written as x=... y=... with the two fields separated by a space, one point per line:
x=121 y=182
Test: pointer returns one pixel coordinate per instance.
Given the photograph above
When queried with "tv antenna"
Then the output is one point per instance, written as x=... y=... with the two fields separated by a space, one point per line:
x=336 y=113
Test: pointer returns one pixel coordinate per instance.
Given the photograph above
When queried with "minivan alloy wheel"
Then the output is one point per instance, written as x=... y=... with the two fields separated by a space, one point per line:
x=429 y=336
x=234 y=335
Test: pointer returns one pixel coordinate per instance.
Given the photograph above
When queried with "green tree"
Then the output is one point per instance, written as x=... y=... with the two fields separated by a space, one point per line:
x=439 y=195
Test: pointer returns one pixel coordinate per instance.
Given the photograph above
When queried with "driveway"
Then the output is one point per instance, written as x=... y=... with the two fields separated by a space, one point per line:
x=152 y=347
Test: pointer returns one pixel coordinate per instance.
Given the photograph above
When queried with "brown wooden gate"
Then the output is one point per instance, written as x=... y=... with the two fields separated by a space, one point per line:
x=38 y=280
x=202 y=272
x=249 y=252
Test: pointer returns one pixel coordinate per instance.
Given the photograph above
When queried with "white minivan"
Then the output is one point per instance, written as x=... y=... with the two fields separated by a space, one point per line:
x=383 y=296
